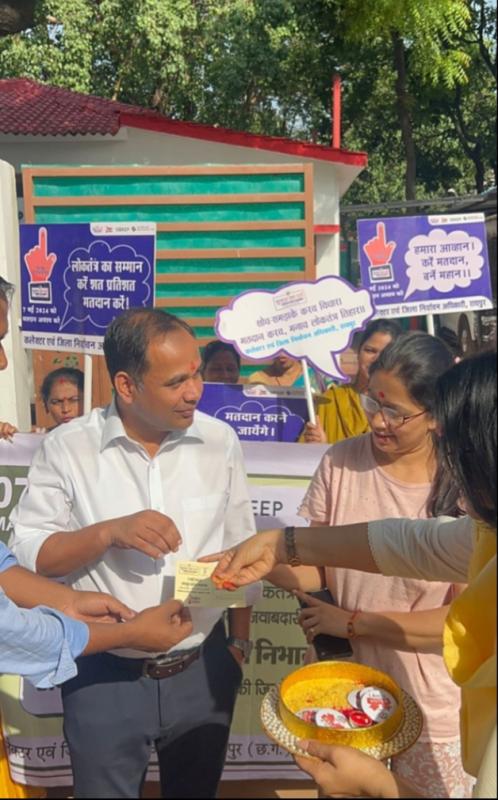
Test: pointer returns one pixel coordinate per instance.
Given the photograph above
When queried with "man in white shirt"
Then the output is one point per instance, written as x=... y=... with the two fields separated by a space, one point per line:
x=114 y=500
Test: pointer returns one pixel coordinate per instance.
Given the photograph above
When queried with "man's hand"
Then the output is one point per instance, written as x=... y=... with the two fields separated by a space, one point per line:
x=96 y=607
x=344 y=772
x=7 y=430
x=160 y=628
x=150 y=532
x=250 y=561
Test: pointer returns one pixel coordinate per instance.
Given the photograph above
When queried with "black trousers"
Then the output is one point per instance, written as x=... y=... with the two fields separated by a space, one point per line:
x=113 y=717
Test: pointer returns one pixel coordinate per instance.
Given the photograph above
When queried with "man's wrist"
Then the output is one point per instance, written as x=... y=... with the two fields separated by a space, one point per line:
x=104 y=535
x=111 y=636
x=244 y=646
x=66 y=603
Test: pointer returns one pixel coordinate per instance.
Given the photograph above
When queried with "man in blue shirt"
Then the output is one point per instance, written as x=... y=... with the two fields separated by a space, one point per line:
x=42 y=643
x=45 y=626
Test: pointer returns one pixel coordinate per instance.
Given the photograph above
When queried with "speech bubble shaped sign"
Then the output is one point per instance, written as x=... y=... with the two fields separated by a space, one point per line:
x=443 y=261
x=309 y=319
x=103 y=280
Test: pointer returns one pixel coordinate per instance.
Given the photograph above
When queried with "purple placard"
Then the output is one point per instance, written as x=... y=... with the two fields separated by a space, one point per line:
x=256 y=413
x=76 y=278
x=425 y=265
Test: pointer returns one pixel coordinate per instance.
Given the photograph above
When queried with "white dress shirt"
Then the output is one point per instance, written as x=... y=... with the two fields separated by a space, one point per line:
x=89 y=470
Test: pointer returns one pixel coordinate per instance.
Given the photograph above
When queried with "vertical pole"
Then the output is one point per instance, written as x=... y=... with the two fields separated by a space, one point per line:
x=309 y=395
x=430 y=324
x=336 y=111
x=87 y=387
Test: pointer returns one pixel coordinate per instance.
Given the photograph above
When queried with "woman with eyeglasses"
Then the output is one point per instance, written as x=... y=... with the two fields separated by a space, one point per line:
x=394 y=624
x=62 y=394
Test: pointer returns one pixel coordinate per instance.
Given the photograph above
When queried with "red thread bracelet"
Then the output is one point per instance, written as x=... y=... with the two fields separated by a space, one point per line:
x=350 y=627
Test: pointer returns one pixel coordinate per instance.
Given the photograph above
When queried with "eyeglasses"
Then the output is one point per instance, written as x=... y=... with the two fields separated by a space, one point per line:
x=392 y=418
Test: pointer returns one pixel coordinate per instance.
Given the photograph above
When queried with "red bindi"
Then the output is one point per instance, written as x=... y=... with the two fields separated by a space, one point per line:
x=381 y=395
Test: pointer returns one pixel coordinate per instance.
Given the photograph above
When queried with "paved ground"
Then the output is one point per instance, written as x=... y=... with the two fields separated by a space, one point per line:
x=230 y=789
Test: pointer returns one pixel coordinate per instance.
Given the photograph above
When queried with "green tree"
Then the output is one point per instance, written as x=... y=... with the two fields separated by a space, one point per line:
x=416 y=74
x=423 y=37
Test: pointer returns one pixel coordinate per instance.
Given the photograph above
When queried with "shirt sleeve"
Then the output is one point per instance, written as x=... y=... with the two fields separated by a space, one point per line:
x=44 y=507
x=317 y=501
x=39 y=643
x=239 y=517
x=437 y=549
x=7 y=559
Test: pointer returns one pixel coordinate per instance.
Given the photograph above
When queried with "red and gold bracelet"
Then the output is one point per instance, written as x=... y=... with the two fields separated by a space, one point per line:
x=351 y=633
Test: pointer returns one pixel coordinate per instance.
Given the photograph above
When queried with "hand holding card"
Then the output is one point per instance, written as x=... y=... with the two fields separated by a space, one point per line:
x=194 y=587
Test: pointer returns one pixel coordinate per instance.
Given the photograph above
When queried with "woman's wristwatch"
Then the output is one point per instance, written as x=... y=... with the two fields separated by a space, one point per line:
x=290 y=547
x=244 y=645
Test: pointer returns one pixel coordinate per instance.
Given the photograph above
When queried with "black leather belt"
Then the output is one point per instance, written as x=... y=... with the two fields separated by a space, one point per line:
x=167 y=666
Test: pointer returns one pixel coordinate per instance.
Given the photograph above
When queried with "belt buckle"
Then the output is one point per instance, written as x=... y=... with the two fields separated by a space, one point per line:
x=149 y=663
x=164 y=661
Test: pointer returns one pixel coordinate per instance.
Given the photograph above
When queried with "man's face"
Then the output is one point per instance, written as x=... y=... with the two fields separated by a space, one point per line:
x=171 y=388
x=4 y=327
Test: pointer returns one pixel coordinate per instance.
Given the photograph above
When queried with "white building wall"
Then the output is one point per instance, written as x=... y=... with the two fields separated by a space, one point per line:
x=137 y=146
x=15 y=390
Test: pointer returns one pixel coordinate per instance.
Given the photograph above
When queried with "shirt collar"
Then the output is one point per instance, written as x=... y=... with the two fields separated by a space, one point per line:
x=114 y=429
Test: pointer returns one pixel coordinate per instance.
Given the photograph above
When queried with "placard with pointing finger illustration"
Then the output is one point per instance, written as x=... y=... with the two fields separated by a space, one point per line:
x=425 y=265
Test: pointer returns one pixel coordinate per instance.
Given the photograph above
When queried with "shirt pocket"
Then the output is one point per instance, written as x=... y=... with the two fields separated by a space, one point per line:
x=203 y=524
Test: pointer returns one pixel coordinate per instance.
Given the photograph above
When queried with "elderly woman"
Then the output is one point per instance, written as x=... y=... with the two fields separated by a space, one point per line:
x=62 y=394
x=220 y=362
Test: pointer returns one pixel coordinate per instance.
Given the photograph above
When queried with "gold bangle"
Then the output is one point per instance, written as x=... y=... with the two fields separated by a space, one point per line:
x=351 y=633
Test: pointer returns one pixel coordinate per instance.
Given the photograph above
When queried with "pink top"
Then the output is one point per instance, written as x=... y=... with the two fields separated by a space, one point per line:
x=350 y=487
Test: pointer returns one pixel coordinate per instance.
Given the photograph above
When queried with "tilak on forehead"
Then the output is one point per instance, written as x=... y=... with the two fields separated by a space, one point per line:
x=381 y=395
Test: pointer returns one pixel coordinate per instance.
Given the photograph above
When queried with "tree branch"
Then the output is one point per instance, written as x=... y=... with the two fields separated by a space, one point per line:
x=483 y=50
x=404 y=116
x=16 y=16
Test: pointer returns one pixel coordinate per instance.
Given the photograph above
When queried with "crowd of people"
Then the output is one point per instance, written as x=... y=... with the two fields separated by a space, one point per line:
x=401 y=528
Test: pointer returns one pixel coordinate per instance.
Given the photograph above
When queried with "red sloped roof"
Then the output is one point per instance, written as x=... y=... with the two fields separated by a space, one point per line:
x=36 y=109
x=31 y=108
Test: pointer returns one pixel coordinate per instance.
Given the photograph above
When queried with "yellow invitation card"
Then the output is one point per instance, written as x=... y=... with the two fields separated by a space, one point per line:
x=194 y=587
